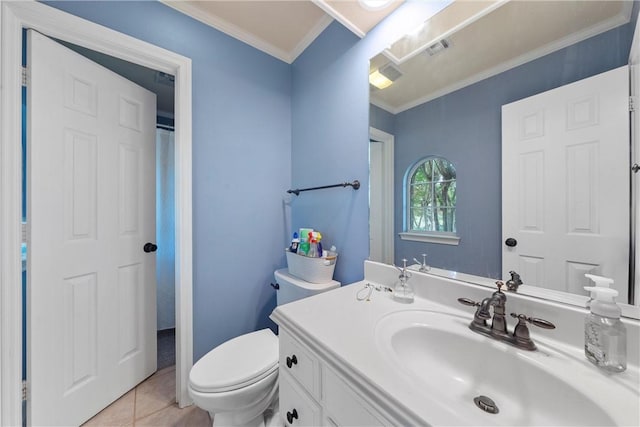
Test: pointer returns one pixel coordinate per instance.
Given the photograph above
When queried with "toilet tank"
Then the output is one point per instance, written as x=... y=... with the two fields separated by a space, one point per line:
x=292 y=288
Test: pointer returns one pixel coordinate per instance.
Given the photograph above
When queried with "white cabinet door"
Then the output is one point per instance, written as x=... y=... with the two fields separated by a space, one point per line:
x=91 y=208
x=565 y=184
x=297 y=408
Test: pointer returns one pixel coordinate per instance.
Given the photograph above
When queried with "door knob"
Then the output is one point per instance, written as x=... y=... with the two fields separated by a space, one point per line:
x=150 y=247
x=511 y=242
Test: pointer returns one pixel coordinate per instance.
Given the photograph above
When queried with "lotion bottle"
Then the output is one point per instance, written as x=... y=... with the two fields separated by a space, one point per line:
x=605 y=337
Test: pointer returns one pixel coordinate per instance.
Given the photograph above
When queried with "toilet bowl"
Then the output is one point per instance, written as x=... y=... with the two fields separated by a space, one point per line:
x=237 y=382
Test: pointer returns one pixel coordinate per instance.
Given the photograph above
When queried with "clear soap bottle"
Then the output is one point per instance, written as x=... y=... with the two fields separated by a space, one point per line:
x=605 y=337
x=403 y=291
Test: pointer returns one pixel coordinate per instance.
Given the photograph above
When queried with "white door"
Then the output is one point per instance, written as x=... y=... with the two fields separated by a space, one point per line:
x=565 y=184
x=91 y=208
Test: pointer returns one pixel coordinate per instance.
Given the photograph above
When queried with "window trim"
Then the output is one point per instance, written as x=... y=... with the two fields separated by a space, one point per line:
x=440 y=237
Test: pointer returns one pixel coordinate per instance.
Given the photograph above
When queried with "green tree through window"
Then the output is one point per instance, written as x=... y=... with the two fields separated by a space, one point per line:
x=431 y=196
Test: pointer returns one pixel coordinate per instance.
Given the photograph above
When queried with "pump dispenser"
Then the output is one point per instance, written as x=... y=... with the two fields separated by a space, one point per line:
x=605 y=337
x=600 y=282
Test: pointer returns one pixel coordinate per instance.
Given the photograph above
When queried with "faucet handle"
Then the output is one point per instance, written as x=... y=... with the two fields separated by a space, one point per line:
x=467 y=301
x=541 y=323
x=500 y=284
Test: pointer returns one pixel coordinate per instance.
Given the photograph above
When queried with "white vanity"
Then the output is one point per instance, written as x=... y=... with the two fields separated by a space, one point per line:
x=345 y=361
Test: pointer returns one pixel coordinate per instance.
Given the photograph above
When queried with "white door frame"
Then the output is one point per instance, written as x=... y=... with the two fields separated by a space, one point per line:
x=634 y=77
x=387 y=141
x=17 y=15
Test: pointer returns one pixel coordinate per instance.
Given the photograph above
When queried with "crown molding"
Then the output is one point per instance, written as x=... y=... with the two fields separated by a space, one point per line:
x=233 y=30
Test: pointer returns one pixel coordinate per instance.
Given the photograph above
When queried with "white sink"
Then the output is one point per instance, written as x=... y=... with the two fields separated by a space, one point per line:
x=450 y=364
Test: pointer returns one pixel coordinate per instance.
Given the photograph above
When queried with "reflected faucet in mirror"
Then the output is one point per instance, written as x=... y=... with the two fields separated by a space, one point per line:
x=514 y=282
x=489 y=102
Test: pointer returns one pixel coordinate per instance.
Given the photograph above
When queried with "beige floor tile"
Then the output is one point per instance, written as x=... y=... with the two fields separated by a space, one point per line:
x=191 y=416
x=157 y=392
x=119 y=413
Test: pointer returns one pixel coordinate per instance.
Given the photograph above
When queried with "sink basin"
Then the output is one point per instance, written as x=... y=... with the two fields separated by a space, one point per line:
x=452 y=365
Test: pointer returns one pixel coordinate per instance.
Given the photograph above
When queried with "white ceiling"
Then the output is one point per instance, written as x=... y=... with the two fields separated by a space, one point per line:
x=487 y=42
x=282 y=28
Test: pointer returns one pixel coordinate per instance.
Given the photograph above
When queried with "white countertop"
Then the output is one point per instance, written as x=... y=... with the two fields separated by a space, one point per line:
x=342 y=330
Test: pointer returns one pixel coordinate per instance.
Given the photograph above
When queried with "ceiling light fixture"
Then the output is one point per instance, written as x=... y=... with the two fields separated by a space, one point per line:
x=378 y=80
x=384 y=77
x=374 y=4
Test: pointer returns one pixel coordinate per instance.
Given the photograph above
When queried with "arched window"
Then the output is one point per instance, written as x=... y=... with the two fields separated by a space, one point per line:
x=430 y=197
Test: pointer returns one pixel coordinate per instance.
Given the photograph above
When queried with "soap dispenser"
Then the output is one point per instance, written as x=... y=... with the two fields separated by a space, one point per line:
x=605 y=337
x=600 y=282
x=403 y=291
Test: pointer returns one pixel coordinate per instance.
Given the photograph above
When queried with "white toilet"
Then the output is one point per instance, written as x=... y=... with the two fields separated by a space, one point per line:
x=237 y=382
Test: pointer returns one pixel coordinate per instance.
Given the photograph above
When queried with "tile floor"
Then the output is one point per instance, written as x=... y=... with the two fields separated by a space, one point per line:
x=151 y=403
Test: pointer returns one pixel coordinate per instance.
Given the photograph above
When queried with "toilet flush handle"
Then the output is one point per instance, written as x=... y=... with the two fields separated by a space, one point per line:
x=293 y=360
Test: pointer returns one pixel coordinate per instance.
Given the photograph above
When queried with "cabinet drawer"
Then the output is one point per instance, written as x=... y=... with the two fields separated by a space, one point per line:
x=343 y=406
x=298 y=362
x=297 y=408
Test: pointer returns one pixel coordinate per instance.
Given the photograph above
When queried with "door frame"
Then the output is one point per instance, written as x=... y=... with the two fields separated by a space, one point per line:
x=53 y=22
x=388 y=200
x=634 y=88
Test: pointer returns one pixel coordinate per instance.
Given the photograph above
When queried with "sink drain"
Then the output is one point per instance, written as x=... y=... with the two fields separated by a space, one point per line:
x=486 y=404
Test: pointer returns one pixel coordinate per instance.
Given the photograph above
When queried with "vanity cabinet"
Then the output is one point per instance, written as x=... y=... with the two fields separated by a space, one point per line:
x=312 y=393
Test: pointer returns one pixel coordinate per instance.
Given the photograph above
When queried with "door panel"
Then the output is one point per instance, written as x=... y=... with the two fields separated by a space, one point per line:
x=565 y=184
x=91 y=199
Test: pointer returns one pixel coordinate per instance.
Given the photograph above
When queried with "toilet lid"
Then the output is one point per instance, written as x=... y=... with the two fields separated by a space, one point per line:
x=236 y=363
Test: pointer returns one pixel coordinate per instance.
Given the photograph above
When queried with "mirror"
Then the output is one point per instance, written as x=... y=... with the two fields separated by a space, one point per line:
x=449 y=81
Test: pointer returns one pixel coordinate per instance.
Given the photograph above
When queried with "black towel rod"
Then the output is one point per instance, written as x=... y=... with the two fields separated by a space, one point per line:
x=355 y=184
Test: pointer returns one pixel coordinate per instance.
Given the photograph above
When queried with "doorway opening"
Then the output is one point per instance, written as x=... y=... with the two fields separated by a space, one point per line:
x=61 y=25
x=381 y=199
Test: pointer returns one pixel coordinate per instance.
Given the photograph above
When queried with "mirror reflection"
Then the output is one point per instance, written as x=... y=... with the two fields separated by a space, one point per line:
x=528 y=102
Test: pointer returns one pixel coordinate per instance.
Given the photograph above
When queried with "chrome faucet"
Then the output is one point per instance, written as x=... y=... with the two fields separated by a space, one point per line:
x=498 y=301
x=423 y=266
x=514 y=282
x=498 y=330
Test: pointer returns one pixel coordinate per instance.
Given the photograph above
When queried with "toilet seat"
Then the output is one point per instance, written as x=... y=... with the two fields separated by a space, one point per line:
x=237 y=363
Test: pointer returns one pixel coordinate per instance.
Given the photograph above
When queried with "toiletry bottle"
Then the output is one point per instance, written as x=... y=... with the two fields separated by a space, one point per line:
x=605 y=337
x=313 y=248
x=294 y=243
x=403 y=291
x=303 y=248
x=600 y=282
x=318 y=238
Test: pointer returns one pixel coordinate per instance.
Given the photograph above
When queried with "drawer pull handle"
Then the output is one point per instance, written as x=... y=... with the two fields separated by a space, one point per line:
x=293 y=360
x=292 y=415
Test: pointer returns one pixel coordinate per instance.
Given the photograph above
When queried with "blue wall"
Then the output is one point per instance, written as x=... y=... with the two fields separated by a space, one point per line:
x=330 y=132
x=382 y=119
x=241 y=163
x=465 y=127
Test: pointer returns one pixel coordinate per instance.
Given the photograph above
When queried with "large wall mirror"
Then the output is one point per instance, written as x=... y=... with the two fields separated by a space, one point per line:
x=529 y=102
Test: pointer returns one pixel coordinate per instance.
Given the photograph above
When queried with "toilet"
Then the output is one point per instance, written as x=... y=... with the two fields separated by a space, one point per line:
x=237 y=382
